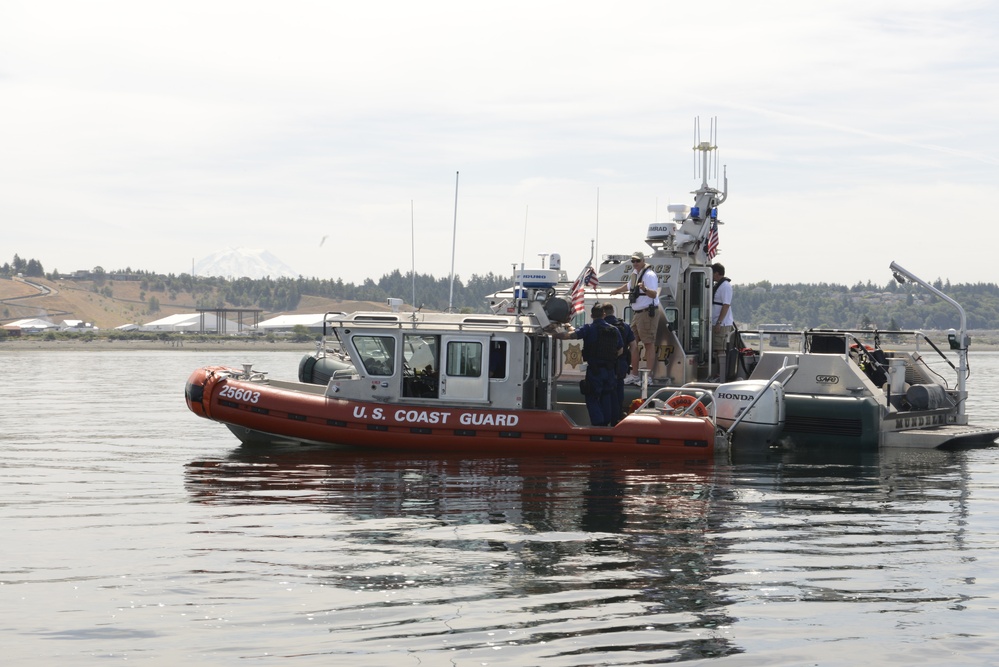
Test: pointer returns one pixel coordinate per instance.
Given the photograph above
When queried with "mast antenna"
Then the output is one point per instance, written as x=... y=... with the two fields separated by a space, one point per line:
x=714 y=142
x=705 y=148
x=596 y=241
x=523 y=250
x=412 y=244
x=454 y=236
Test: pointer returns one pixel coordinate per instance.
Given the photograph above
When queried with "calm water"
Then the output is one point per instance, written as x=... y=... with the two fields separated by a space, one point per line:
x=134 y=531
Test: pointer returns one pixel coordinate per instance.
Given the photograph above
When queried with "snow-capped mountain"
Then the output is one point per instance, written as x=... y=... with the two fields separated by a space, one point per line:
x=243 y=263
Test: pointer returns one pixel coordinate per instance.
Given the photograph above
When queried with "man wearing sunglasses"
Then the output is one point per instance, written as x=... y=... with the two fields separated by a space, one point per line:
x=643 y=287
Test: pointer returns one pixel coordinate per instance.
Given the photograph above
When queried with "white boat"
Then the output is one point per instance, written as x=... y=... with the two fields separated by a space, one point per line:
x=839 y=389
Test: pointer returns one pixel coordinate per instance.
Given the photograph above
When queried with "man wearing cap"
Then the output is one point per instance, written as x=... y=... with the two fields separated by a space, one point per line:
x=601 y=347
x=643 y=288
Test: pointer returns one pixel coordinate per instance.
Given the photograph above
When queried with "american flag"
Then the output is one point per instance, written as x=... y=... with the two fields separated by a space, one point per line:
x=712 y=247
x=588 y=278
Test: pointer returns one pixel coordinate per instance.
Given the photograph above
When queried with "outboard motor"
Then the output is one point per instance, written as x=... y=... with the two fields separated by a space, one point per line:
x=765 y=419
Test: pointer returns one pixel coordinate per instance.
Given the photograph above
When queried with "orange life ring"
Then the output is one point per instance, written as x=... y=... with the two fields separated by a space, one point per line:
x=681 y=402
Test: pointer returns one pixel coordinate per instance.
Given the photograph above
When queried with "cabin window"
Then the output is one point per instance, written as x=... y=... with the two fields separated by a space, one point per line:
x=377 y=354
x=497 y=360
x=420 y=360
x=419 y=351
x=699 y=312
x=464 y=358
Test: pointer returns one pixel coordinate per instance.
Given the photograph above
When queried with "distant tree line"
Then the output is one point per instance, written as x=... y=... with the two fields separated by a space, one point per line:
x=25 y=267
x=892 y=306
x=284 y=294
x=822 y=305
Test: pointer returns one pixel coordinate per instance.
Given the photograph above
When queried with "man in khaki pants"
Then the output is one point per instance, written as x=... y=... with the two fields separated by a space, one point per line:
x=642 y=286
x=721 y=319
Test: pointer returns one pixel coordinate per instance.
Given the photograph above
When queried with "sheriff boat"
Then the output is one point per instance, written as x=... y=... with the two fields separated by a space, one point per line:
x=839 y=389
x=845 y=389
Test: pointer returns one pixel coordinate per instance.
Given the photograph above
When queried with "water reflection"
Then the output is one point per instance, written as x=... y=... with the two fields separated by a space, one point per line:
x=847 y=546
x=566 y=557
x=126 y=540
x=634 y=561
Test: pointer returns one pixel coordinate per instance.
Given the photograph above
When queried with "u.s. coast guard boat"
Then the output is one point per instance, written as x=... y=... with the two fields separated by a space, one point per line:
x=443 y=382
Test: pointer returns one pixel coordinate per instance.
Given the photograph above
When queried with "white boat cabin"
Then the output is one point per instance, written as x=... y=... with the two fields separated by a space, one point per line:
x=502 y=361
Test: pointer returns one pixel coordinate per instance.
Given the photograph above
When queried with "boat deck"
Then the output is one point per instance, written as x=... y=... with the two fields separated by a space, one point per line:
x=951 y=435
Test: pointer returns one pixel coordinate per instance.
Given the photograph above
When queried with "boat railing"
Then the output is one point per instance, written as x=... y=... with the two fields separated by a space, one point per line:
x=879 y=338
x=660 y=399
x=959 y=340
x=865 y=344
x=323 y=346
x=445 y=321
x=862 y=338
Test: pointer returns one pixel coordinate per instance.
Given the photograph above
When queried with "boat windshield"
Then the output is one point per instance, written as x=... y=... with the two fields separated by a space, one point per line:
x=377 y=353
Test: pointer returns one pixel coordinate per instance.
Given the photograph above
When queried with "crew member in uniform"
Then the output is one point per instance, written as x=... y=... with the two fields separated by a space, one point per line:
x=602 y=346
x=623 y=368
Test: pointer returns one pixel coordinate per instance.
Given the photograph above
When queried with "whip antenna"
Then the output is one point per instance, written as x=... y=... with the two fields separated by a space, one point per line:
x=454 y=236
x=412 y=244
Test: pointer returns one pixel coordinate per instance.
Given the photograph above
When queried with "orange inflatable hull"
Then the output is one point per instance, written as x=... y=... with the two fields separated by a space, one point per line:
x=216 y=393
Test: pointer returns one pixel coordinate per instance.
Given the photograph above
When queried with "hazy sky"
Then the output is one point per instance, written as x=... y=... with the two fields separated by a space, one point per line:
x=149 y=134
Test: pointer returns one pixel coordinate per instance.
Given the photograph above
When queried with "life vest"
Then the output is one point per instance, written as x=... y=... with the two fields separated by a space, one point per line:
x=624 y=359
x=714 y=291
x=605 y=349
x=621 y=329
x=636 y=289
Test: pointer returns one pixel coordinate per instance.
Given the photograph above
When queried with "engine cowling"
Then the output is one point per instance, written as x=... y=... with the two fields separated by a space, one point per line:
x=765 y=419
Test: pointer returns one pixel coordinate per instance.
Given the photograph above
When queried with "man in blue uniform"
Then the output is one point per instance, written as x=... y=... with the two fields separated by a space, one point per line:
x=602 y=346
x=624 y=361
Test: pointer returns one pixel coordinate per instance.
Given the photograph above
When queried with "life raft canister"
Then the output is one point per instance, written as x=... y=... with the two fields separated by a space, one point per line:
x=681 y=402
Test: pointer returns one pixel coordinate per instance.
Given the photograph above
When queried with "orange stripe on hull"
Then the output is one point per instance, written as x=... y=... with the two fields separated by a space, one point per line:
x=425 y=427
